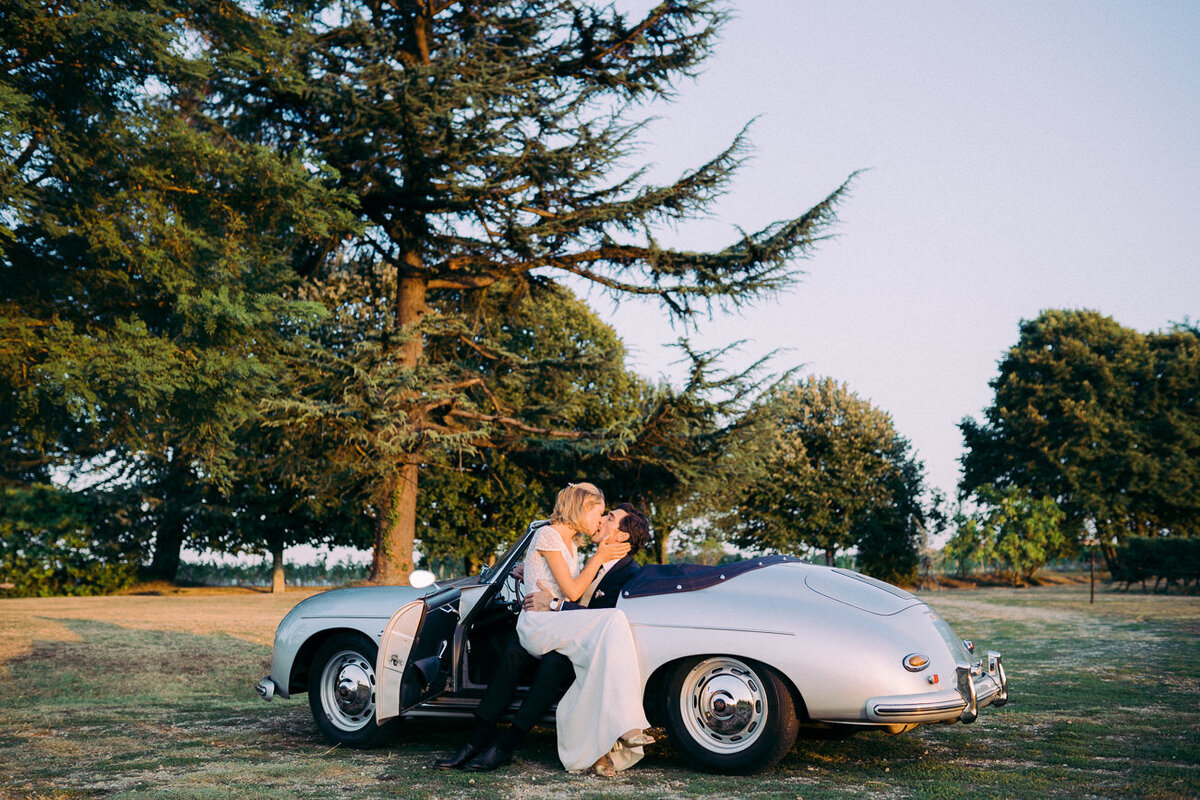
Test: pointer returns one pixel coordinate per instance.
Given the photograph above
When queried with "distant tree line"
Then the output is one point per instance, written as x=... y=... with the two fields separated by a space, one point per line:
x=318 y=572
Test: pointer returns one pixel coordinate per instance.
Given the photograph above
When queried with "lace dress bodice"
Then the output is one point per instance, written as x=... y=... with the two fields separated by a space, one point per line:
x=536 y=568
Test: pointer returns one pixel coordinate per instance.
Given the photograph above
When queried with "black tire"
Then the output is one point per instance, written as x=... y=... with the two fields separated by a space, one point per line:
x=730 y=715
x=341 y=691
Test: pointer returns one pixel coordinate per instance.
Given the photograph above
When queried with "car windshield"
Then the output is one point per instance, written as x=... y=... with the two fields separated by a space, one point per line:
x=504 y=564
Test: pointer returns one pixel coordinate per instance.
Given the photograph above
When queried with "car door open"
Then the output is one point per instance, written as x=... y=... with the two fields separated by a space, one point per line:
x=416 y=653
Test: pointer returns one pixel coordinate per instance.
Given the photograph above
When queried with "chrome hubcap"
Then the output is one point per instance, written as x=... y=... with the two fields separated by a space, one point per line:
x=723 y=704
x=348 y=690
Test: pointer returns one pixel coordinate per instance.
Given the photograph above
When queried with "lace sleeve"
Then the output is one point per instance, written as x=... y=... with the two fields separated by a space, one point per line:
x=536 y=568
x=548 y=539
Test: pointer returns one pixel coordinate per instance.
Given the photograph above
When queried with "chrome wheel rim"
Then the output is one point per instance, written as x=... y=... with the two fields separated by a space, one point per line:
x=724 y=707
x=348 y=690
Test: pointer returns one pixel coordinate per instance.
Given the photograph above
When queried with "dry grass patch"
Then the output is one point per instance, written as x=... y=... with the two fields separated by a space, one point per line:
x=245 y=614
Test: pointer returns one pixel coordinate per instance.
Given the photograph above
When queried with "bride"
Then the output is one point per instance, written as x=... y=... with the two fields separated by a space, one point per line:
x=600 y=719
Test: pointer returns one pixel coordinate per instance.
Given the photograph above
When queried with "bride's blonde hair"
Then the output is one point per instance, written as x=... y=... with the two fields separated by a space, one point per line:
x=573 y=502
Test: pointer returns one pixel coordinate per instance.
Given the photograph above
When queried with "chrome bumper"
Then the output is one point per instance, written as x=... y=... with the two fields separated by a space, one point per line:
x=977 y=685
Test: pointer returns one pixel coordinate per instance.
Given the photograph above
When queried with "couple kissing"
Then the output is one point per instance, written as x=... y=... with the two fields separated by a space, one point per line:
x=569 y=623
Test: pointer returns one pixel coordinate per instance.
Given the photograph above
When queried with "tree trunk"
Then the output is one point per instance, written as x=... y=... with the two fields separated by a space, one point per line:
x=664 y=522
x=660 y=547
x=829 y=557
x=1109 y=551
x=277 y=576
x=392 y=561
x=175 y=494
x=168 y=542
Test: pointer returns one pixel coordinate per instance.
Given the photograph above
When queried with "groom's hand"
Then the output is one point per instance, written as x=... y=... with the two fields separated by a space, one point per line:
x=539 y=600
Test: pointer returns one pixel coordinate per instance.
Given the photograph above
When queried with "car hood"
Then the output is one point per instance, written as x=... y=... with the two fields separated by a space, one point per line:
x=361 y=602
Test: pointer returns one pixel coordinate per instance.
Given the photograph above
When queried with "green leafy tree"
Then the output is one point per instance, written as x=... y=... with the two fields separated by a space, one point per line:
x=479 y=143
x=831 y=474
x=1012 y=533
x=145 y=257
x=968 y=549
x=1167 y=421
x=668 y=449
x=1100 y=418
x=891 y=542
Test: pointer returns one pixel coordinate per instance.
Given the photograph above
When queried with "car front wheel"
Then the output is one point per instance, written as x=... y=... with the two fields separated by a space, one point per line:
x=341 y=691
x=730 y=715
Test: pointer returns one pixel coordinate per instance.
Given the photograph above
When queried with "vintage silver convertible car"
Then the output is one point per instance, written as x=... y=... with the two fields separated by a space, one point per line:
x=734 y=658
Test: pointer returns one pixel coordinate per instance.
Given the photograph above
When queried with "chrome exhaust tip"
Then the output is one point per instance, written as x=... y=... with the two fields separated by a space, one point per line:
x=266 y=688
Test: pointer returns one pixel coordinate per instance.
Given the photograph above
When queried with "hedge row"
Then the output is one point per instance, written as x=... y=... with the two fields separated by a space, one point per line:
x=1172 y=559
x=50 y=545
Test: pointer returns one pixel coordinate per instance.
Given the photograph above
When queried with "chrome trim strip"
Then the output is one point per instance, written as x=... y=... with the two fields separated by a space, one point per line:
x=709 y=628
x=905 y=709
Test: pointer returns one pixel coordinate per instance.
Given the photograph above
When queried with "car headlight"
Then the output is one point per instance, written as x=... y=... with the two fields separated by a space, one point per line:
x=915 y=662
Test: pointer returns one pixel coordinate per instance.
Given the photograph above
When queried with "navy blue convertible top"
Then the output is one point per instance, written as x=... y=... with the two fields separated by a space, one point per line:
x=673 y=578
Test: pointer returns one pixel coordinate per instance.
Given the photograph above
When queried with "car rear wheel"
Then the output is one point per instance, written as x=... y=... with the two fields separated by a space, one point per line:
x=730 y=715
x=341 y=691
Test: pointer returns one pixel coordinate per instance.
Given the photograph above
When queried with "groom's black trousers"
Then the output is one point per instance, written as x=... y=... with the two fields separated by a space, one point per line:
x=554 y=674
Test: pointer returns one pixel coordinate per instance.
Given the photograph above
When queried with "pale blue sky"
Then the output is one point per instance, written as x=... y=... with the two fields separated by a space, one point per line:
x=1023 y=156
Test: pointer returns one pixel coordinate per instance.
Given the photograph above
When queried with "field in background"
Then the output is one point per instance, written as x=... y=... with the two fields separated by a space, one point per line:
x=151 y=697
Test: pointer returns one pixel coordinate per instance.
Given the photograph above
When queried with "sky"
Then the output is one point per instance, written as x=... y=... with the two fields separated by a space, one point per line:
x=1018 y=156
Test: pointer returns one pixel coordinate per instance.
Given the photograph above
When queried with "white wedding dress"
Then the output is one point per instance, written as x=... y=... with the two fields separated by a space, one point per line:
x=605 y=700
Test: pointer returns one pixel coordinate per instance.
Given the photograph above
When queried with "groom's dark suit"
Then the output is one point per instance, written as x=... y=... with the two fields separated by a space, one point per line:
x=609 y=588
x=555 y=669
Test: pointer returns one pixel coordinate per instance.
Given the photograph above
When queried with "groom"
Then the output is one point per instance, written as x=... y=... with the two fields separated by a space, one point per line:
x=485 y=750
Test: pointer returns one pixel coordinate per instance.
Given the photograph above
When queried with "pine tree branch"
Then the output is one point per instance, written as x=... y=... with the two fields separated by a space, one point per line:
x=655 y=15
x=466 y=282
x=34 y=140
x=509 y=422
x=490 y=355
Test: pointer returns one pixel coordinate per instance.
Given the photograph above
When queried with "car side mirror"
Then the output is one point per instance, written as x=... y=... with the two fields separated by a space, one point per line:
x=421 y=578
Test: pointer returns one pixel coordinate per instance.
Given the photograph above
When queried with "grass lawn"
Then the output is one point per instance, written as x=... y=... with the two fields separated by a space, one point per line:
x=152 y=697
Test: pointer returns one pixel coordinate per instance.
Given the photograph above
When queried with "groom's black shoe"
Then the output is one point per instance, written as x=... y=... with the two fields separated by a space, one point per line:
x=489 y=759
x=456 y=761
